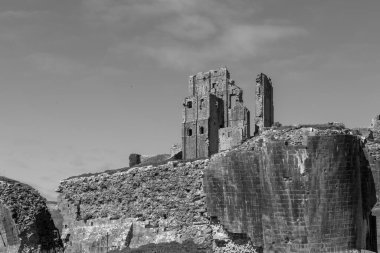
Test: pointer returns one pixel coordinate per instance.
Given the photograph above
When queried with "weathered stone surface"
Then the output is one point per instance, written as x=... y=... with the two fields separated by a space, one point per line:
x=232 y=188
x=10 y=242
x=134 y=159
x=154 y=159
x=97 y=235
x=307 y=188
x=175 y=150
x=25 y=224
x=215 y=103
x=295 y=190
x=375 y=123
x=230 y=137
x=371 y=138
x=164 y=204
x=55 y=215
x=264 y=114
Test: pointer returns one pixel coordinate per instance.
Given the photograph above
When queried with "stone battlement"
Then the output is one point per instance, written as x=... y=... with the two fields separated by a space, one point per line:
x=210 y=74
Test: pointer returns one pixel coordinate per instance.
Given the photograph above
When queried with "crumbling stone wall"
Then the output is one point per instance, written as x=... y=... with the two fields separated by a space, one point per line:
x=215 y=102
x=371 y=138
x=375 y=123
x=264 y=114
x=25 y=224
x=230 y=137
x=202 y=119
x=10 y=241
x=152 y=204
x=309 y=192
x=98 y=235
x=297 y=189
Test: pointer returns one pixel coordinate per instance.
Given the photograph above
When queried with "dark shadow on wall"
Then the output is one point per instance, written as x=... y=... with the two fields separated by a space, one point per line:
x=48 y=234
x=368 y=201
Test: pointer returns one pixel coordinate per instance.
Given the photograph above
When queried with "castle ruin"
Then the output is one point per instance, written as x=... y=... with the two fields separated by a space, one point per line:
x=264 y=113
x=310 y=188
x=214 y=116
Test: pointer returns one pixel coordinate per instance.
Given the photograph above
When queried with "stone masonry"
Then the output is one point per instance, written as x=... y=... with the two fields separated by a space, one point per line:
x=375 y=123
x=214 y=117
x=295 y=190
x=26 y=225
x=264 y=114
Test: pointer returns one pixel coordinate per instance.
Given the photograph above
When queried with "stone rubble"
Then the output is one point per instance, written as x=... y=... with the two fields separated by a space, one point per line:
x=28 y=208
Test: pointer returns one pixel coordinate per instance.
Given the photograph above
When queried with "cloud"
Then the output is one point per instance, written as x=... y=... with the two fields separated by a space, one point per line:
x=192 y=27
x=236 y=43
x=187 y=34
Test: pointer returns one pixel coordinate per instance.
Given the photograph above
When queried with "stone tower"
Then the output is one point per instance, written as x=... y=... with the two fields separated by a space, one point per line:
x=214 y=117
x=264 y=114
x=375 y=123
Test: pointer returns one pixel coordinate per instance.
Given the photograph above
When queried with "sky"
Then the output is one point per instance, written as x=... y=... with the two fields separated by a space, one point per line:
x=84 y=83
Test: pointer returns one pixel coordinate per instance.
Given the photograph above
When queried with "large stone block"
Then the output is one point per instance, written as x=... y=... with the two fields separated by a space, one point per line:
x=296 y=198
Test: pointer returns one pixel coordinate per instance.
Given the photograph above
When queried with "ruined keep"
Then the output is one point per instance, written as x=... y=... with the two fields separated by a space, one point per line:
x=214 y=117
x=264 y=114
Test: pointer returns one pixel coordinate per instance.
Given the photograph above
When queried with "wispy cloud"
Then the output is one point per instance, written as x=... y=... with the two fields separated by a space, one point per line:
x=185 y=34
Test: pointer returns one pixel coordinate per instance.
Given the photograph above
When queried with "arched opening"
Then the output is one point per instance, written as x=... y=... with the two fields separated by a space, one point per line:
x=201 y=130
x=189 y=132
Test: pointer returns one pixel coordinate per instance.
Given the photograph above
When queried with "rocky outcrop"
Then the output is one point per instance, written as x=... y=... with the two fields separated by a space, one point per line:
x=25 y=222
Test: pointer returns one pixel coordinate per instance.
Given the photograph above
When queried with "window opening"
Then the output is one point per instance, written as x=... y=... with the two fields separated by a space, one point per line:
x=201 y=130
x=189 y=104
x=189 y=132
